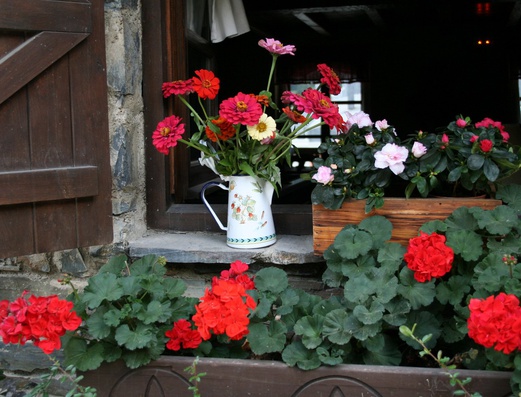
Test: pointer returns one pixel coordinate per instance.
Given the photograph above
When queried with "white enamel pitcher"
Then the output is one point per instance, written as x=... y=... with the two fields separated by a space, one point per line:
x=250 y=221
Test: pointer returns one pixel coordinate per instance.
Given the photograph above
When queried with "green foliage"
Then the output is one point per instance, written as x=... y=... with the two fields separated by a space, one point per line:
x=126 y=308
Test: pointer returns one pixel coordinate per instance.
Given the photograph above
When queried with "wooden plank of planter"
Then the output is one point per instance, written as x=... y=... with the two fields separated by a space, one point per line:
x=406 y=215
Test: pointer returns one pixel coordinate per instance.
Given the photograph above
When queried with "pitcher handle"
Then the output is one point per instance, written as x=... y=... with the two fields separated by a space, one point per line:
x=207 y=185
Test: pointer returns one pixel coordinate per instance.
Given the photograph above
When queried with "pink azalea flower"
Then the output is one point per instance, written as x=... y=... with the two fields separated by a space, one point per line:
x=461 y=123
x=323 y=175
x=369 y=139
x=360 y=118
x=381 y=125
x=391 y=156
x=276 y=47
x=418 y=149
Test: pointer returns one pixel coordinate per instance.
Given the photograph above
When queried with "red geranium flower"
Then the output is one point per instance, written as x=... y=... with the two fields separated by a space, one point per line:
x=496 y=322
x=205 y=84
x=182 y=336
x=428 y=256
x=167 y=133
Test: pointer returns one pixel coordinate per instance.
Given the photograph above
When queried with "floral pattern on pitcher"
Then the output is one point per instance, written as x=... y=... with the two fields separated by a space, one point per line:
x=243 y=210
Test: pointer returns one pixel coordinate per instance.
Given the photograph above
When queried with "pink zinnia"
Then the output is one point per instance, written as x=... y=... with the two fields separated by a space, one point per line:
x=241 y=109
x=276 y=47
x=167 y=133
x=179 y=87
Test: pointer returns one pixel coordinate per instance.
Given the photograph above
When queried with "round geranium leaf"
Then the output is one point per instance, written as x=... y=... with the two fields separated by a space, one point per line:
x=297 y=354
x=379 y=227
x=351 y=243
x=466 y=243
x=271 y=279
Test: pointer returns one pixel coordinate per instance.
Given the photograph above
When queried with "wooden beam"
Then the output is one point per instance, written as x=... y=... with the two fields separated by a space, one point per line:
x=37 y=54
x=17 y=187
x=36 y=15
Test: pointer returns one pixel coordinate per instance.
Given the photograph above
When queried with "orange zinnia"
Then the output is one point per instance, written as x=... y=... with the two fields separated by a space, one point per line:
x=205 y=84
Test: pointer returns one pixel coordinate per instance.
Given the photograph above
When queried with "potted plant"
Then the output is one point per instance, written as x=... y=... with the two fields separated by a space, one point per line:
x=446 y=169
x=454 y=290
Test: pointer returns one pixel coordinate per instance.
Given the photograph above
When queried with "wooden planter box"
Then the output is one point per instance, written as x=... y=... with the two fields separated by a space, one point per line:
x=253 y=378
x=406 y=215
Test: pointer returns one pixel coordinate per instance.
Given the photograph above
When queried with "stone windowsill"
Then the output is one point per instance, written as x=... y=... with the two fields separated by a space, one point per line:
x=200 y=247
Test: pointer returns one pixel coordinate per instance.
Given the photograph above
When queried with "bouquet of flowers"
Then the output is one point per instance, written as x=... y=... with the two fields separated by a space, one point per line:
x=243 y=139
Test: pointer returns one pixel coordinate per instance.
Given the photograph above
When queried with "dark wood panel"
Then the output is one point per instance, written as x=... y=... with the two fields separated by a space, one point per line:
x=23 y=64
x=49 y=184
x=16 y=230
x=52 y=147
x=58 y=16
x=90 y=130
x=55 y=225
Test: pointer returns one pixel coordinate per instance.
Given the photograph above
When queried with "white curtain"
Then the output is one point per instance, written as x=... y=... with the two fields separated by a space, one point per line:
x=227 y=19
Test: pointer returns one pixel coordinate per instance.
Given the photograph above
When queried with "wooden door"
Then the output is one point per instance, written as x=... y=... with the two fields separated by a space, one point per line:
x=55 y=182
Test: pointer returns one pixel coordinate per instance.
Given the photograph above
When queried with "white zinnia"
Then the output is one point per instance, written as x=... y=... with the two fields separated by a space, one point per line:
x=265 y=128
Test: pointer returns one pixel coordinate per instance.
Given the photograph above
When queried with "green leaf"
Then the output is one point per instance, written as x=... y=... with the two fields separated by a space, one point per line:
x=335 y=328
x=351 y=243
x=297 y=354
x=370 y=315
x=466 y=243
x=475 y=161
x=390 y=256
x=98 y=327
x=333 y=357
x=461 y=218
x=454 y=290
x=271 y=279
x=310 y=328
x=82 y=356
x=491 y=170
x=267 y=339
x=102 y=286
x=510 y=194
x=359 y=289
x=289 y=298
x=155 y=311
x=426 y=324
x=500 y=220
x=173 y=287
x=147 y=265
x=115 y=265
x=134 y=339
x=382 y=350
x=140 y=357
x=418 y=294
x=396 y=312
x=379 y=227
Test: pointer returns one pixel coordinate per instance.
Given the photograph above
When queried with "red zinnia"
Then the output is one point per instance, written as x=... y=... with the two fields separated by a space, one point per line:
x=205 y=84
x=167 y=133
x=178 y=87
x=320 y=106
x=241 y=109
x=329 y=78
x=428 y=256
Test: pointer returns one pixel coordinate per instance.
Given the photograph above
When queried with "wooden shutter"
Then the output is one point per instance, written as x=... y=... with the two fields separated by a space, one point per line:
x=55 y=182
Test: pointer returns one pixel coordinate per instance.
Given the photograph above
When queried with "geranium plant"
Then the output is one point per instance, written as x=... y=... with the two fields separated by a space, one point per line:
x=250 y=134
x=463 y=159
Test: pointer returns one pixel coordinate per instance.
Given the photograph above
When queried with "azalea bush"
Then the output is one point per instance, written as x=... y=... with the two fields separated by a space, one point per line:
x=250 y=135
x=463 y=159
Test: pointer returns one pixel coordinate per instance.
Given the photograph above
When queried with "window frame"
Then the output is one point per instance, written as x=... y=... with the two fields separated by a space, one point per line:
x=163 y=30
